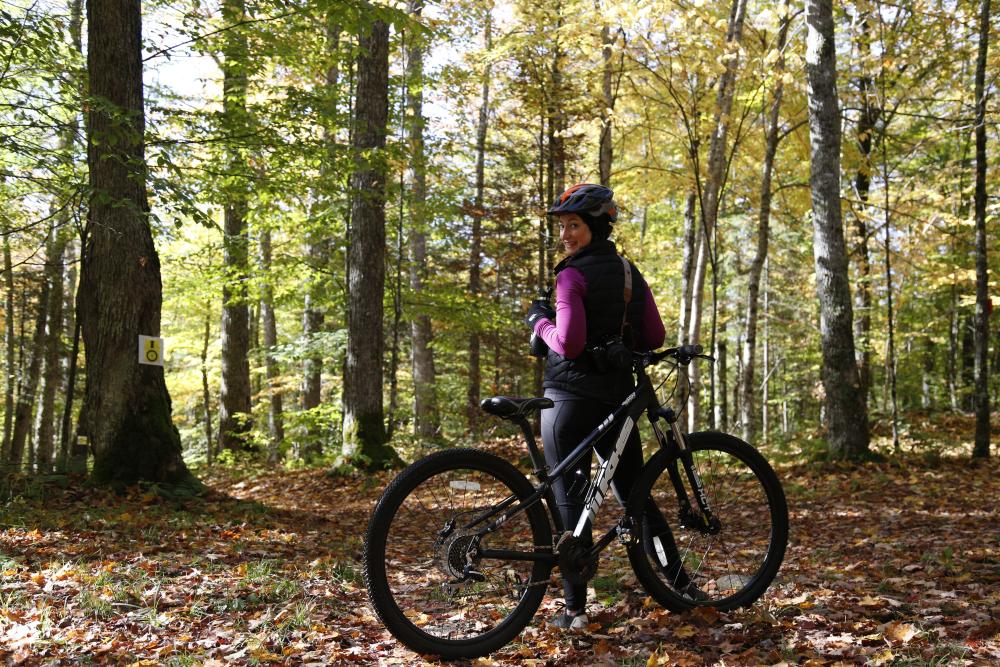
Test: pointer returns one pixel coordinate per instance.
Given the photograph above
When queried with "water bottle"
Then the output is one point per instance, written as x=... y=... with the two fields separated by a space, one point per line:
x=535 y=343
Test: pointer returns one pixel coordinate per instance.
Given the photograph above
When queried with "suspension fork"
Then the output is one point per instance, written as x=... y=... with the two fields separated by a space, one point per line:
x=706 y=521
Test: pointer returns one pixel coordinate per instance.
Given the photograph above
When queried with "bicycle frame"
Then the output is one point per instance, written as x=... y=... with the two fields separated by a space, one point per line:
x=626 y=415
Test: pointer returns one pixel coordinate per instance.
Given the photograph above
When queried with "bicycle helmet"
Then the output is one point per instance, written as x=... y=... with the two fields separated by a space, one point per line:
x=594 y=201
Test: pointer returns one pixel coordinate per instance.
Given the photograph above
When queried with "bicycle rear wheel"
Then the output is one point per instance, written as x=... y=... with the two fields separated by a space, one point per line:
x=421 y=546
x=682 y=566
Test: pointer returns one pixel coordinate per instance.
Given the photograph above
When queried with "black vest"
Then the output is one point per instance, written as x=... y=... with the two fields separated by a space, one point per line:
x=605 y=277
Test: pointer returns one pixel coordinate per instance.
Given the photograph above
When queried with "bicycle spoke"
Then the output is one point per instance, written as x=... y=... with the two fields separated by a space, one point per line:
x=422 y=569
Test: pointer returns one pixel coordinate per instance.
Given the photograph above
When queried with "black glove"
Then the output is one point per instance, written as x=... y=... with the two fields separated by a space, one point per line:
x=539 y=308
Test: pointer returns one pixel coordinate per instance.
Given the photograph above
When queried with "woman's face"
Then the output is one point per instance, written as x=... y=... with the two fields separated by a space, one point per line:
x=573 y=232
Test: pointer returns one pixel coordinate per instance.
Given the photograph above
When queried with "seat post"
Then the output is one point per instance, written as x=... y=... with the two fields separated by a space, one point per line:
x=536 y=456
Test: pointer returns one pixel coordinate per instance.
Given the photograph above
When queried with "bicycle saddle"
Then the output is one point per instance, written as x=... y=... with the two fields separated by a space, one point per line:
x=506 y=407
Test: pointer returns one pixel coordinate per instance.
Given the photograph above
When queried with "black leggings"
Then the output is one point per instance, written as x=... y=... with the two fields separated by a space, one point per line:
x=564 y=426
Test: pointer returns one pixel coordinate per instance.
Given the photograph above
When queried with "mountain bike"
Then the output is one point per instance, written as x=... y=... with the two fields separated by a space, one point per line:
x=460 y=547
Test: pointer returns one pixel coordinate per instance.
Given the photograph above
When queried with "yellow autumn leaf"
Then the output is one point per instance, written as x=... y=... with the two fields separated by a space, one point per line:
x=901 y=632
x=685 y=631
x=882 y=658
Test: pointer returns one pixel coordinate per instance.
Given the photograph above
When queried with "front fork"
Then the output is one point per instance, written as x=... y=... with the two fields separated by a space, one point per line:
x=704 y=521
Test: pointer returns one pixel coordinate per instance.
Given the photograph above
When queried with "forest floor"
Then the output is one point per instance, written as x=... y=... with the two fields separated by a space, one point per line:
x=893 y=563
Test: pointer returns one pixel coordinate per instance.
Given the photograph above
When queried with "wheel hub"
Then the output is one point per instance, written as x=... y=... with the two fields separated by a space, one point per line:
x=453 y=554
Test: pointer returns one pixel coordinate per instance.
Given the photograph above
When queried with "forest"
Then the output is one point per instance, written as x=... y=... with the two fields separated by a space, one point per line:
x=320 y=224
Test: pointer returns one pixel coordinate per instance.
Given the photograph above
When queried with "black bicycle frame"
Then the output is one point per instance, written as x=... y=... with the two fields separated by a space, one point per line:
x=626 y=414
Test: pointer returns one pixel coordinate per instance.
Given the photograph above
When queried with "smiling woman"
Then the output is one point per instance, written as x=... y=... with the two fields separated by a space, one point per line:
x=603 y=305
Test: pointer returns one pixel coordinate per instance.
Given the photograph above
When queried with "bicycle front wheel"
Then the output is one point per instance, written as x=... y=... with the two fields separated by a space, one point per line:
x=681 y=562
x=438 y=586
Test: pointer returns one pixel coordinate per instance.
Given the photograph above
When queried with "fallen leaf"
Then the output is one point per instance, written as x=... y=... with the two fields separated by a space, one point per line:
x=685 y=631
x=882 y=658
x=901 y=632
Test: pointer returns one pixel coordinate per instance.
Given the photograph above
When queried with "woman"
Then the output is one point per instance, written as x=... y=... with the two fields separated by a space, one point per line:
x=585 y=385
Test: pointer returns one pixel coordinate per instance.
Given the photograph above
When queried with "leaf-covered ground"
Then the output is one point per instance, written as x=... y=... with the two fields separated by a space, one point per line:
x=891 y=563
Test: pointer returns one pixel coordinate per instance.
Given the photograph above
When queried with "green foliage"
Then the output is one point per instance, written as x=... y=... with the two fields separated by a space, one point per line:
x=546 y=64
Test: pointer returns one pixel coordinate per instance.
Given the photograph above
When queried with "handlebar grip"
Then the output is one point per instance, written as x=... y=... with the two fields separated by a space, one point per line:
x=690 y=350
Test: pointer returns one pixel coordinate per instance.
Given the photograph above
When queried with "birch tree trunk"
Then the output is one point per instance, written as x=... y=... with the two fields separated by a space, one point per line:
x=846 y=412
x=982 y=318
x=476 y=241
x=234 y=404
x=747 y=381
x=364 y=430
x=126 y=408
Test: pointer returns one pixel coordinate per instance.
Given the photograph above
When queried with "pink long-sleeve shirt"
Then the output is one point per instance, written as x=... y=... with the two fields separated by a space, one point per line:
x=568 y=335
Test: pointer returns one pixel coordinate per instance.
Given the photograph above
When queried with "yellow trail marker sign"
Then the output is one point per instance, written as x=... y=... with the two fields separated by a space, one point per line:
x=151 y=350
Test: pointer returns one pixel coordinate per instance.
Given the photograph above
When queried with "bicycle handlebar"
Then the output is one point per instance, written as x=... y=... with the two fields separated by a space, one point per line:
x=683 y=354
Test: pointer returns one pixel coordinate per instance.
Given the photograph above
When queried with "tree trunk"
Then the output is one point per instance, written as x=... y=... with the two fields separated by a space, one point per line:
x=766 y=382
x=51 y=377
x=982 y=320
x=29 y=382
x=71 y=327
x=890 y=324
x=748 y=398
x=45 y=431
x=846 y=411
x=234 y=403
x=694 y=330
x=126 y=407
x=426 y=423
x=10 y=361
x=206 y=395
x=275 y=418
x=711 y=193
x=310 y=444
x=721 y=406
x=364 y=430
x=747 y=379
x=605 y=148
x=691 y=236
x=476 y=241
x=870 y=114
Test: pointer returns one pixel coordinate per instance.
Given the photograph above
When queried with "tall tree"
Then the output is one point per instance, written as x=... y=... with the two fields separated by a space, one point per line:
x=317 y=239
x=710 y=194
x=847 y=415
x=364 y=430
x=982 y=319
x=126 y=411
x=747 y=402
x=10 y=346
x=424 y=392
x=234 y=404
x=867 y=120
x=55 y=247
x=28 y=385
x=478 y=212
x=605 y=147
x=275 y=416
